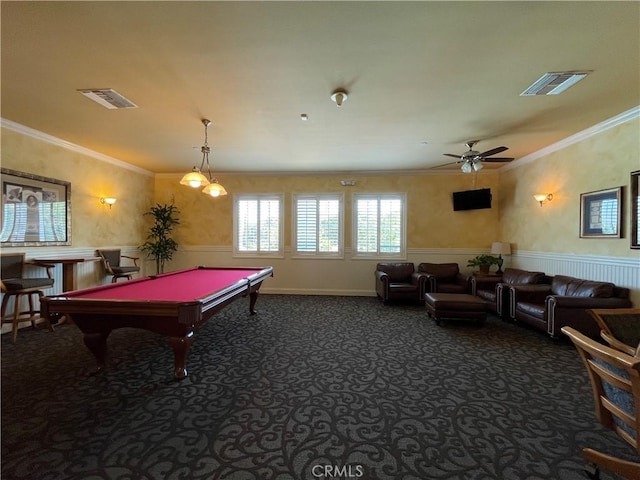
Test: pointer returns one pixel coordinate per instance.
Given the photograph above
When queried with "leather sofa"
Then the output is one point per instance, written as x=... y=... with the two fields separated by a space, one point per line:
x=493 y=289
x=444 y=278
x=399 y=281
x=565 y=302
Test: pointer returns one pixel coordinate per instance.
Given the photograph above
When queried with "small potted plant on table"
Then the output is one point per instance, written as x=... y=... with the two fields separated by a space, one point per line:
x=483 y=262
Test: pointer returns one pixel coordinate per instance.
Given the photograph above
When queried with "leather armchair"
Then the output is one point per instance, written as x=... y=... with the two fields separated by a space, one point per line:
x=399 y=281
x=493 y=289
x=565 y=302
x=444 y=278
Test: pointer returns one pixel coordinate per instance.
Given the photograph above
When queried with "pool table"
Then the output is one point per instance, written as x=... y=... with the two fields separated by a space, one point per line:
x=173 y=304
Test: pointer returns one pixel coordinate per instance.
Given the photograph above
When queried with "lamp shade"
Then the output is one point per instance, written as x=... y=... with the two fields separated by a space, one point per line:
x=194 y=179
x=501 y=248
x=214 y=189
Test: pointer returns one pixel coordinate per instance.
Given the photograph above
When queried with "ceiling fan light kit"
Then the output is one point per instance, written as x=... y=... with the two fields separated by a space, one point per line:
x=196 y=179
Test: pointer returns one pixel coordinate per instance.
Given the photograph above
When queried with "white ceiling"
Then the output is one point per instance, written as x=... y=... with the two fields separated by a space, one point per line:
x=436 y=72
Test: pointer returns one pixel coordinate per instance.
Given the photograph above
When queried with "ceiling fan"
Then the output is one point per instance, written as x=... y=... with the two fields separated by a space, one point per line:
x=472 y=160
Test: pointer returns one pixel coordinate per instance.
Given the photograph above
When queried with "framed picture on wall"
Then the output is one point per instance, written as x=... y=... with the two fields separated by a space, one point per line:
x=635 y=209
x=36 y=211
x=600 y=214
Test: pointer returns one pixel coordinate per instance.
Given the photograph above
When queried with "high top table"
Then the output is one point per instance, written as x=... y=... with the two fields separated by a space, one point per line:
x=69 y=269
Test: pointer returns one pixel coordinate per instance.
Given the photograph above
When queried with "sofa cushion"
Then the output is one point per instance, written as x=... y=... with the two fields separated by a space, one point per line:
x=576 y=287
x=13 y=284
x=403 y=287
x=532 y=309
x=488 y=295
x=520 y=277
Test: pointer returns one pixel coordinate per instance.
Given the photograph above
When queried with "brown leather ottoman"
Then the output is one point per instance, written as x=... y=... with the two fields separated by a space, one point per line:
x=455 y=305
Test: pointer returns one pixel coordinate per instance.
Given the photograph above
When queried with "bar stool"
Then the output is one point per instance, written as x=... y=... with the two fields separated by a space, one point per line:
x=14 y=286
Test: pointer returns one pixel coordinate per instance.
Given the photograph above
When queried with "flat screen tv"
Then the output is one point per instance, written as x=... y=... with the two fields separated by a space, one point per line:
x=472 y=199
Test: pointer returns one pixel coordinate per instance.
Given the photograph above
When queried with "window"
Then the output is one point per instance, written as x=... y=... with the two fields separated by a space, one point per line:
x=379 y=225
x=258 y=225
x=317 y=225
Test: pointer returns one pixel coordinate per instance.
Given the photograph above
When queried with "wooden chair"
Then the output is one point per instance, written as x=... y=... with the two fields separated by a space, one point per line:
x=111 y=260
x=15 y=285
x=620 y=327
x=615 y=382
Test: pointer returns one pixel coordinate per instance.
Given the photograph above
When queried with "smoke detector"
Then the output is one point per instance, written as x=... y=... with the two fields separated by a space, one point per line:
x=108 y=98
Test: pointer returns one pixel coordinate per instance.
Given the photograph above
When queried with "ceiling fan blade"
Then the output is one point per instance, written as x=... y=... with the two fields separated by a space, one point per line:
x=497 y=159
x=446 y=164
x=451 y=155
x=493 y=151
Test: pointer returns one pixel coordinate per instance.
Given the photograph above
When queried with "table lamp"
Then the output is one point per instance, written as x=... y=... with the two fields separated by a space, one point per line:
x=501 y=248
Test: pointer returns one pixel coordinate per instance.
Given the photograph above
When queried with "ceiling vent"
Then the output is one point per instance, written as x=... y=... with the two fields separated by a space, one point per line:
x=108 y=98
x=554 y=83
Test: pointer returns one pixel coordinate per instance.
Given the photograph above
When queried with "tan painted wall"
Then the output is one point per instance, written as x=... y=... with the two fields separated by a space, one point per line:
x=93 y=224
x=599 y=162
x=431 y=221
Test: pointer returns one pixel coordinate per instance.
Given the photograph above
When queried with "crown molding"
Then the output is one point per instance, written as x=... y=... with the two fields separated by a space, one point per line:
x=624 y=117
x=45 y=137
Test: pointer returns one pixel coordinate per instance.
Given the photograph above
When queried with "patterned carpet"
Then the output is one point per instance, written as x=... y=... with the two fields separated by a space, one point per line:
x=310 y=388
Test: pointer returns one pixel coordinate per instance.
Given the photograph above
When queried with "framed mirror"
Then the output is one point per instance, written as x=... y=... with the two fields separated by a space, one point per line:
x=635 y=209
x=36 y=211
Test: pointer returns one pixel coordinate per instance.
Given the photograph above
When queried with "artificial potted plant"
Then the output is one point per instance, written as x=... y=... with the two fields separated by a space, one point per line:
x=159 y=245
x=483 y=262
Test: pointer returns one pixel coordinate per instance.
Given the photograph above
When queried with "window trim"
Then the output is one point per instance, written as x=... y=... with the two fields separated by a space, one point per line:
x=237 y=198
x=294 y=220
x=402 y=255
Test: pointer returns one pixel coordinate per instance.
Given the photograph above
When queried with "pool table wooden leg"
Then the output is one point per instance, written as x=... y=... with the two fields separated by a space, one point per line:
x=253 y=297
x=97 y=345
x=181 y=346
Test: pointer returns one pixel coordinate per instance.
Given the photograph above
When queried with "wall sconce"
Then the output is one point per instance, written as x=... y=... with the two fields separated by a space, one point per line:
x=108 y=201
x=347 y=183
x=543 y=197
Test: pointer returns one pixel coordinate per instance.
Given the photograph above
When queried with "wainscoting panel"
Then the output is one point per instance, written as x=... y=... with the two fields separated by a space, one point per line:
x=622 y=271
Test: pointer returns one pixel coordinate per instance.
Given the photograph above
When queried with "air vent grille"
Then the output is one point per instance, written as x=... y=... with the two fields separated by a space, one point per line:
x=553 y=83
x=108 y=98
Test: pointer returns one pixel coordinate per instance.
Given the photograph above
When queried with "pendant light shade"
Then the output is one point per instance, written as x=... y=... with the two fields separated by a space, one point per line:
x=196 y=178
x=214 y=189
